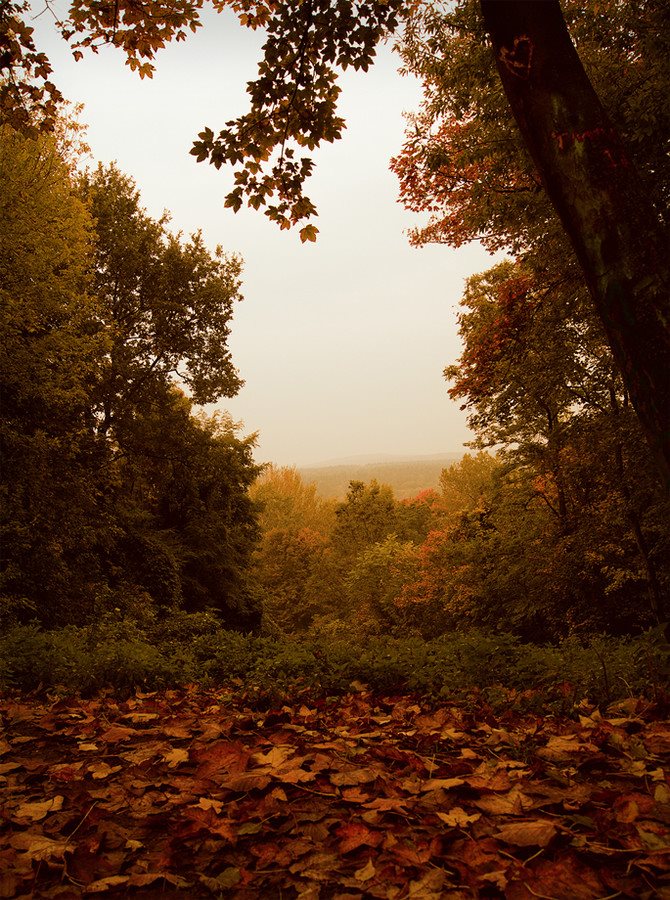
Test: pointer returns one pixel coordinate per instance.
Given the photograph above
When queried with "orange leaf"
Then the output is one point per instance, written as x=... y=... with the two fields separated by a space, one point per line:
x=353 y=835
x=537 y=833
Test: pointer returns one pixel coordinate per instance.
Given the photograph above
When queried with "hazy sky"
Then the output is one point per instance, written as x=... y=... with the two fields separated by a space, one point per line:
x=341 y=343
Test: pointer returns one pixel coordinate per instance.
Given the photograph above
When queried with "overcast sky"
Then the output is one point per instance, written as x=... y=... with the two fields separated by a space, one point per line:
x=341 y=343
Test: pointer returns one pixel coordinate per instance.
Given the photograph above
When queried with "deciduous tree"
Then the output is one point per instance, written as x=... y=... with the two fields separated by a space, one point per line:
x=166 y=303
x=589 y=176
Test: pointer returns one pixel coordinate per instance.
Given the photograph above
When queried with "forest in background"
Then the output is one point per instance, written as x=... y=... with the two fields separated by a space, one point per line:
x=124 y=502
x=216 y=681
x=406 y=477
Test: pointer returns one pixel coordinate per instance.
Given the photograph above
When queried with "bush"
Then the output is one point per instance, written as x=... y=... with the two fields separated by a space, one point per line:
x=194 y=648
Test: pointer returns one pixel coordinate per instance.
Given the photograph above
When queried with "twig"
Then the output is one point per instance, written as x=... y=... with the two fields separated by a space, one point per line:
x=85 y=816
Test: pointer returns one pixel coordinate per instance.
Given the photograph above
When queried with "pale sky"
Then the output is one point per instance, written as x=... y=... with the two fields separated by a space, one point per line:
x=341 y=343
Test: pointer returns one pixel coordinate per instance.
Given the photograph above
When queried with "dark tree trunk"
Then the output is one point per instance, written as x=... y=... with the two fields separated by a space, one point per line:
x=600 y=198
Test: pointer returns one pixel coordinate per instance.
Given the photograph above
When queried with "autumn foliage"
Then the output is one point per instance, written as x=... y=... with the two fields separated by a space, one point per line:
x=224 y=793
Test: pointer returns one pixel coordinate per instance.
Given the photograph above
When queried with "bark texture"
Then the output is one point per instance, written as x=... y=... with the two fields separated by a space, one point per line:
x=621 y=245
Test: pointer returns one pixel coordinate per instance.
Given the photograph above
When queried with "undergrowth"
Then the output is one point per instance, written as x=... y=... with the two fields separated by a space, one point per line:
x=186 y=649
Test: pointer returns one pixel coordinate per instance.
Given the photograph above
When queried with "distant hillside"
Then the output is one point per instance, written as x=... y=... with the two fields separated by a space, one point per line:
x=407 y=477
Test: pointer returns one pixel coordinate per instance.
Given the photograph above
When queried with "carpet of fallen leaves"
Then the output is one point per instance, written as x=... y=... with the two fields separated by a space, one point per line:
x=206 y=793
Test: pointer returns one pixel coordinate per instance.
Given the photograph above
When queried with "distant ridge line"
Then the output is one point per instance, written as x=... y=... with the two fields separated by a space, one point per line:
x=408 y=476
x=381 y=459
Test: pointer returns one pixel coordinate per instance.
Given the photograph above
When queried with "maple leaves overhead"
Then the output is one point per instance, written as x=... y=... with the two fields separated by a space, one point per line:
x=293 y=102
x=27 y=95
x=207 y=792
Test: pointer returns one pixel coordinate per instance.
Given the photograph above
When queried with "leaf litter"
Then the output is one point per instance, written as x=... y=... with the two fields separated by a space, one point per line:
x=201 y=793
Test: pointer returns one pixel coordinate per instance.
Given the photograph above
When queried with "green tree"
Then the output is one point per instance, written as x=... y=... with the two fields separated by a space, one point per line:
x=366 y=517
x=375 y=586
x=167 y=303
x=51 y=342
x=288 y=568
x=187 y=524
x=114 y=493
x=467 y=483
x=564 y=421
x=591 y=180
x=287 y=503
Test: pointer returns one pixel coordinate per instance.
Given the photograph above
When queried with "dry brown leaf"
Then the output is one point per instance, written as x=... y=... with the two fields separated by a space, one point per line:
x=39 y=809
x=445 y=784
x=365 y=873
x=563 y=747
x=353 y=776
x=175 y=757
x=457 y=817
x=537 y=833
x=106 y=884
x=514 y=803
x=39 y=847
x=101 y=770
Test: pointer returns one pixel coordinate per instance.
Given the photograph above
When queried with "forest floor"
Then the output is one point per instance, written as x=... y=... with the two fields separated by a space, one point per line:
x=202 y=793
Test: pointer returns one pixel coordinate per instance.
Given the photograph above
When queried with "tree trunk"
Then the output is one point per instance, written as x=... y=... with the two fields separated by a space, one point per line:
x=600 y=198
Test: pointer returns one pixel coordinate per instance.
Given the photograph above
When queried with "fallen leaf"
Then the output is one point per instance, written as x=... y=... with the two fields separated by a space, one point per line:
x=445 y=784
x=353 y=776
x=37 y=846
x=117 y=733
x=245 y=781
x=564 y=747
x=274 y=758
x=106 y=884
x=226 y=880
x=658 y=742
x=141 y=718
x=39 y=809
x=100 y=770
x=354 y=834
x=457 y=817
x=513 y=803
x=367 y=872
x=208 y=803
x=537 y=833
x=175 y=757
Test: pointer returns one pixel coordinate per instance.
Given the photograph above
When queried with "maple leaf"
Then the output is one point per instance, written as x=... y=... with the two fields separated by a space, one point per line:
x=354 y=834
x=175 y=756
x=147 y=824
x=100 y=770
x=457 y=817
x=513 y=803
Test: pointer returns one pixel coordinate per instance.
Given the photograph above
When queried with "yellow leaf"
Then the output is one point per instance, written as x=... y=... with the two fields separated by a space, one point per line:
x=37 y=846
x=366 y=872
x=445 y=784
x=308 y=233
x=102 y=770
x=274 y=757
x=39 y=810
x=458 y=818
x=175 y=756
x=105 y=884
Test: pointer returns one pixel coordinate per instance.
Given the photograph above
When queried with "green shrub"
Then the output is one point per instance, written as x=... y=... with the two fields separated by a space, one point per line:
x=194 y=648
